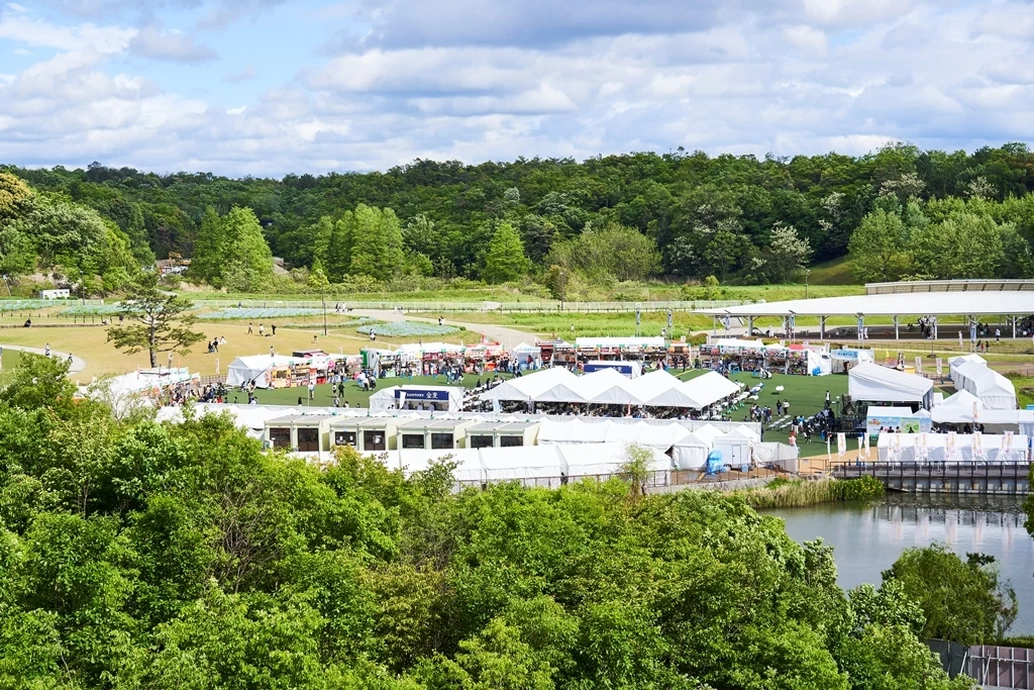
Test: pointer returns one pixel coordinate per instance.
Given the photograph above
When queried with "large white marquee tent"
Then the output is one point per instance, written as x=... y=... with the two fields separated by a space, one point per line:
x=607 y=387
x=952 y=448
x=991 y=388
x=874 y=383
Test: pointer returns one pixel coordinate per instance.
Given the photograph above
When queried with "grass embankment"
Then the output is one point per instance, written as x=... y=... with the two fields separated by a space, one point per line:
x=835 y=272
x=798 y=493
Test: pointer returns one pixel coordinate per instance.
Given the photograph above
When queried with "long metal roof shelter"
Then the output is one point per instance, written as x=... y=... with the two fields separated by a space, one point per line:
x=966 y=303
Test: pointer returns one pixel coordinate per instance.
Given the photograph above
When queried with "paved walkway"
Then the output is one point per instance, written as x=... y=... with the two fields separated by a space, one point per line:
x=78 y=364
x=507 y=337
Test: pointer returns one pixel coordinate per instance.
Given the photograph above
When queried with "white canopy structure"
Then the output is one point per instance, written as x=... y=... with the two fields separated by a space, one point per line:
x=952 y=448
x=962 y=398
x=690 y=452
x=607 y=387
x=534 y=387
x=708 y=432
x=710 y=388
x=605 y=459
x=661 y=389
x=254 y=368
x=520 y=463
x=992 y=389
x=873 y=383
x=955 y=362
x=574 y=430
x=1019 y=421
x=627 y=342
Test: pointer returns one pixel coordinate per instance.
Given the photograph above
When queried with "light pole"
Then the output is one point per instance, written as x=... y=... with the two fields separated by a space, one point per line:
x=806 y=272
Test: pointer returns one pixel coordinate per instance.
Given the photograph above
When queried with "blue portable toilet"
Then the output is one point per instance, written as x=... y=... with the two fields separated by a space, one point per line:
x=714 y=462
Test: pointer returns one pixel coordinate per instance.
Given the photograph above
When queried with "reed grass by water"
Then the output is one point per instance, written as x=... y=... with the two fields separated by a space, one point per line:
x=798 y=493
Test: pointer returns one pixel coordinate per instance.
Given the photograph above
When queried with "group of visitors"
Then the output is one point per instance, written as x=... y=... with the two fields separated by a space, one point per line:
x=261 y=329
x=213 y=347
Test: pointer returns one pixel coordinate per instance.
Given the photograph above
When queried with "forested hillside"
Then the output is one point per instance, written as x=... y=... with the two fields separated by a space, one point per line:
x=901 y=212
x=136 y=555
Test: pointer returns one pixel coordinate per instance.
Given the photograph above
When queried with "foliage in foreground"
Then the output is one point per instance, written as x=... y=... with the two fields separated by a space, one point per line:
x=143 y=555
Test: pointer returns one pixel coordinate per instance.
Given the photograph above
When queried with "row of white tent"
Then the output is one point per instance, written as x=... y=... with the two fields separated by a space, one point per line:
x=527 y=464
x=970 y=373
x=608 y=387
x=994 y=448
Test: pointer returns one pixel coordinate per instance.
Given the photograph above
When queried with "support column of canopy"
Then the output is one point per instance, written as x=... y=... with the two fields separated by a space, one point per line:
x=750 y=326
x=933 y=319
x=1013 y=319
x=822 y=328
x=896 y=327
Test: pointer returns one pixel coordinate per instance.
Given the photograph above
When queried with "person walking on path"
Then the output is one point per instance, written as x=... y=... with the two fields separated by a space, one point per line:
x=998 y=335
x=251 y=331
x=262 y=330
x=46 y=350
x=272 y=327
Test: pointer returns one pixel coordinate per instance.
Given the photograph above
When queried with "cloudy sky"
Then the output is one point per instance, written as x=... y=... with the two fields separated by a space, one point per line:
x=266 y=87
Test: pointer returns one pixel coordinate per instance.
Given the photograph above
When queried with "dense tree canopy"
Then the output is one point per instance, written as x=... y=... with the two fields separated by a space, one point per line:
x=136 y=554
x=734 y=217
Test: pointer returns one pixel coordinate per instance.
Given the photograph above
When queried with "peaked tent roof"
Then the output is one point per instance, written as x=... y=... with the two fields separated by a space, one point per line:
x=872 y=382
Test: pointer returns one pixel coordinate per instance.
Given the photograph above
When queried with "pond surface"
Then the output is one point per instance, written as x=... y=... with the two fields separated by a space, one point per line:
x=867 y=539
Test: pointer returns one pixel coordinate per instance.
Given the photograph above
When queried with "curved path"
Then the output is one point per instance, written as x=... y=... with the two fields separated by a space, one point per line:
x=507 y=337
x=78 y=364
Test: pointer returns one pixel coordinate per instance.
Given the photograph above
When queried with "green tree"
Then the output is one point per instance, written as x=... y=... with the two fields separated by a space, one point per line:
x=377 y=247
x=505 y=260
x=339 y=247
x=965 y=245
x=209 y=256
x=248 y=261
x=157 y=321
x=962 y=601
x=879 y=248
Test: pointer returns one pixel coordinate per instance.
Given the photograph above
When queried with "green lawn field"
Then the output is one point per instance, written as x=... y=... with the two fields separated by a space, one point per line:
x=806 y=395
x=324 y=396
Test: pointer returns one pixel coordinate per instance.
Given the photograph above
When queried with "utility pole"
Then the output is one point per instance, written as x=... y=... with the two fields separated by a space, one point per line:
x=806 y=272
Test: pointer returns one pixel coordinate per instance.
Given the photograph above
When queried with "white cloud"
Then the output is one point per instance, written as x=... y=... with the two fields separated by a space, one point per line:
x=175 y=46
x=807 y=39
x=786 y=76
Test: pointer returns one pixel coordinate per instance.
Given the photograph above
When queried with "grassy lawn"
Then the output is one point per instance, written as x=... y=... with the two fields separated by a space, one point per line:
x=8 y=361
x=806 y=395
x=324 y=396
x=544 y=324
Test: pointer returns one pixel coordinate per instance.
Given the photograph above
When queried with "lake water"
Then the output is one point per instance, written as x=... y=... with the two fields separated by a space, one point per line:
x=867 y=539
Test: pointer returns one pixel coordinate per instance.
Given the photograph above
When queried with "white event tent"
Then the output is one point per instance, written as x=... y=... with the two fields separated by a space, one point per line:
x=244 y=370
x=874 y=383
x=992 y=389
x=952 y=448
x=710 y=388
x=607 y=387
x=955 y=362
